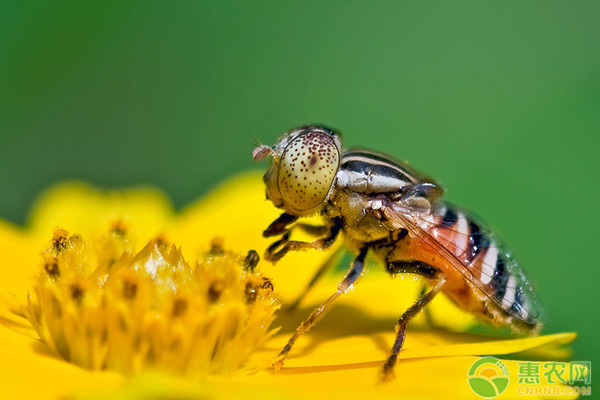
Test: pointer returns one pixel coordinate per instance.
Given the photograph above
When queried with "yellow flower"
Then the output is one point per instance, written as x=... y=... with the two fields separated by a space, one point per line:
x=48 y=352
x=101 y=306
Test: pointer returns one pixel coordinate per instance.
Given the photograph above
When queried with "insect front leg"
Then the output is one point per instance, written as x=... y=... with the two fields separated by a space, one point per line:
x=437 y=280
x=279 y=226
x=351 y=276
x=332 y=231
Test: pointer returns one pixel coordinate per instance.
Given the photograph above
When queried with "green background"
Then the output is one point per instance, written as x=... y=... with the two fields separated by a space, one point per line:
x=499 y=101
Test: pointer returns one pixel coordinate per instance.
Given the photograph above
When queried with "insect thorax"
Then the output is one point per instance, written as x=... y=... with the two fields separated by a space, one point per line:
x=362 y=221
x=365 y=182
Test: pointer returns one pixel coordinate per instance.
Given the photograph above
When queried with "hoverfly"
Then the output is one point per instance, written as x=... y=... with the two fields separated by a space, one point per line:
x=384 y=207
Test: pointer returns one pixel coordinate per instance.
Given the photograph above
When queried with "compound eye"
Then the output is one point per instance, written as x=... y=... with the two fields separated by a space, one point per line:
x=307 y=169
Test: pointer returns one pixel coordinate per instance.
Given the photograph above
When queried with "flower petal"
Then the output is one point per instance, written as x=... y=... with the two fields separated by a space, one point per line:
x=18 y=262
x=428 y=378
x=27 y=371
x=78 y=207
x=238 y=212
x=417 y=378
x=354 y=351
x=384 y=297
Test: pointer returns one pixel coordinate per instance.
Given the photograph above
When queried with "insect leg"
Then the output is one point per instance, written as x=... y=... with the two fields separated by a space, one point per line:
x=314 y=230
x=273 y=246
x=433 y=275
x=426 y=311
x=411 y=267
x=285 y=238
x=318 y=275
x=320 y=244
x=353 y=273
x=278 y=226
x=417 y=268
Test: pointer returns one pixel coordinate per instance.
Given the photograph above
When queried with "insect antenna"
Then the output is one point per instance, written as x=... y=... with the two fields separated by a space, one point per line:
x=254 y=141
x=260 y=150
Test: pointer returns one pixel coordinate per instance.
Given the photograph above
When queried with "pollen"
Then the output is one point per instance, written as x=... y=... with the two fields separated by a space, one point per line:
x=103 y=306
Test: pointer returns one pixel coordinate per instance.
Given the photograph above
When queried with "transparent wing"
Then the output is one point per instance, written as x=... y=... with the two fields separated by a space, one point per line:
x=473 y=249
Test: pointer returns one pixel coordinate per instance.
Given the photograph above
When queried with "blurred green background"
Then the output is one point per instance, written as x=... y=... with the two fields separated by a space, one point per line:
x=499 y=101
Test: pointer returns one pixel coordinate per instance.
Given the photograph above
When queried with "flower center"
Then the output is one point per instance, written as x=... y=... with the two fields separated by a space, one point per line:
x=102 y=306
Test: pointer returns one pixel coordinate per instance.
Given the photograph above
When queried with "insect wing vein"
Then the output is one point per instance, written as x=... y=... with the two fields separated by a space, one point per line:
x=475 y=253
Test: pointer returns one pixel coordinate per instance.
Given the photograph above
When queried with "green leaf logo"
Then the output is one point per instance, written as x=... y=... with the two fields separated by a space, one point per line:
x=488 y=377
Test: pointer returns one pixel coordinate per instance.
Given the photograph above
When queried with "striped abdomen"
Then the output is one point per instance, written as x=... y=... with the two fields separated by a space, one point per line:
x=488 y=264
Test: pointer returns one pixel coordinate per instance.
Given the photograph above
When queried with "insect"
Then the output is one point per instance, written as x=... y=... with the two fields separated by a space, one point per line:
x=384 y=207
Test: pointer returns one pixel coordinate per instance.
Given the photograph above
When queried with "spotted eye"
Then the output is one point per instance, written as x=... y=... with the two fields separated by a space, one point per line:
x=307 y=169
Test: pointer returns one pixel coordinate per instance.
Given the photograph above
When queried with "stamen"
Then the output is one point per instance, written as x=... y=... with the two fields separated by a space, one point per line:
x=100 y=305
x=251 y=260
x=60 y=240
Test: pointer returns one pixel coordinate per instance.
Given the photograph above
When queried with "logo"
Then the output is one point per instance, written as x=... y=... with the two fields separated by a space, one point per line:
x=488 y=377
